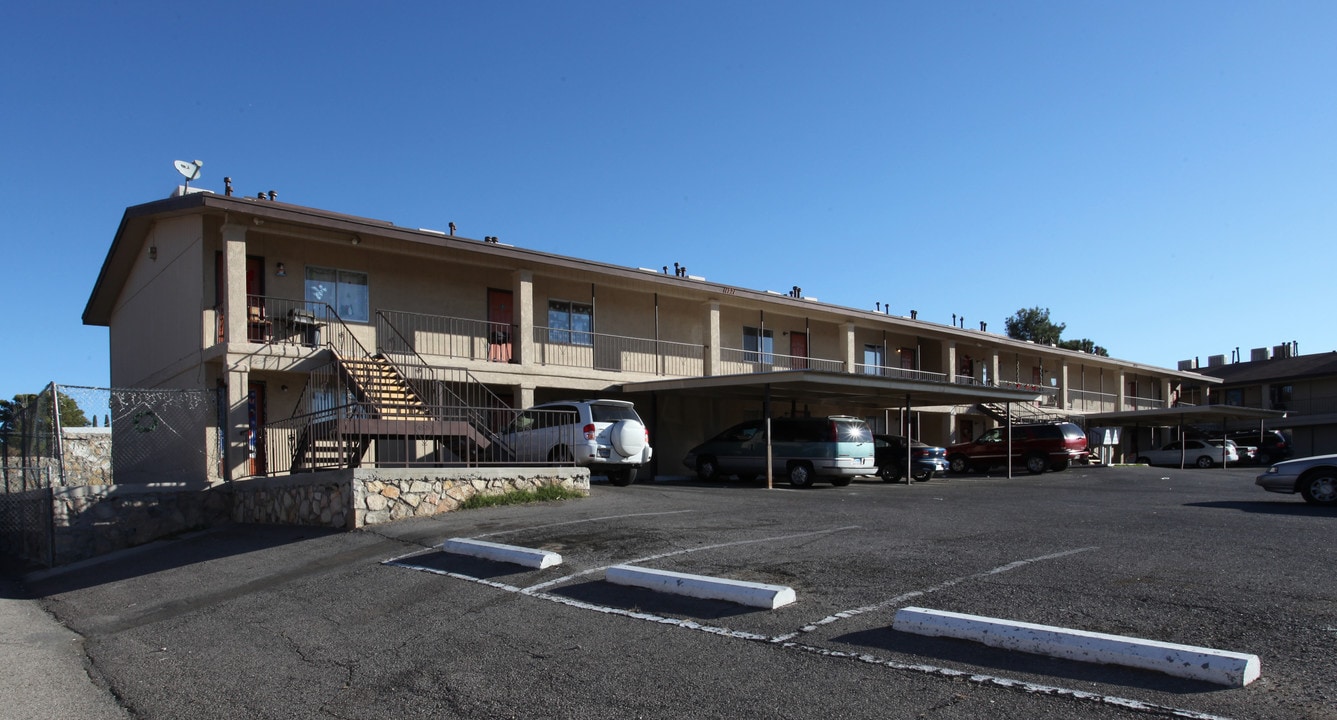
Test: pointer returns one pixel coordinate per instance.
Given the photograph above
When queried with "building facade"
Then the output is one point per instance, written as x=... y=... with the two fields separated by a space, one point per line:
x=274 y=306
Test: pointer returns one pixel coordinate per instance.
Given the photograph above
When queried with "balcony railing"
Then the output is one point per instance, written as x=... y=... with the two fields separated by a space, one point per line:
x=900 y=373
x=1141 y=403
x=443 y=336
x=1088 y=401
x=617 y=353
x=278 y=321
x=734 y=361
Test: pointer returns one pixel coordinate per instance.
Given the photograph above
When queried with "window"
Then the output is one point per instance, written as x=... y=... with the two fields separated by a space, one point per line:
x=758 y=345
x=872 y=359
x=570 y=323
x=1281 y=397
x=343 y=290
x=1235 y=396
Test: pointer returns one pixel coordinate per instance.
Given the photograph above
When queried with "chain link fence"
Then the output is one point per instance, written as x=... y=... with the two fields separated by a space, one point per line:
x=71 y=436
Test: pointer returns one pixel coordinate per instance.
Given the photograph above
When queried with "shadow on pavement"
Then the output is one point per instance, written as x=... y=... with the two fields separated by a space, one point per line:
x=955 y=653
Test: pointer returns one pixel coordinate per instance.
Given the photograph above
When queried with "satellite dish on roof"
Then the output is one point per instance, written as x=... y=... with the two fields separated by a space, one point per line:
x=189 y=170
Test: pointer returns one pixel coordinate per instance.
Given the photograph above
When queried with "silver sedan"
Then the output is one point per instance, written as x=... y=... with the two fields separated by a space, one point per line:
x=1313 y=477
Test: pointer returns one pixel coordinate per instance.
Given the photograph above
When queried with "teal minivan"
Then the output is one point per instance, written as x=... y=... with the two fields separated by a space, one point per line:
x=836 y=448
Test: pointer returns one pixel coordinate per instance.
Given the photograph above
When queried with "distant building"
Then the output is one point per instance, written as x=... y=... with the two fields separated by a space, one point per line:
x=1302 y=386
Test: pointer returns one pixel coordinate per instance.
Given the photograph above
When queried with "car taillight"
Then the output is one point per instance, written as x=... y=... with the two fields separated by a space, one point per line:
x=647 y=436
x=590 y=432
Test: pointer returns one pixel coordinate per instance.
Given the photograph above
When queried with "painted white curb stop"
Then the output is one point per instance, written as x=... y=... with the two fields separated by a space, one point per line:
x=505 y=553
x=702 y=586
x=1217 y=666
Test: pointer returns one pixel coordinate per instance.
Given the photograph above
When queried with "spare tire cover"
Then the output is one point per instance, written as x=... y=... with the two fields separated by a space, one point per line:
x=628 y=438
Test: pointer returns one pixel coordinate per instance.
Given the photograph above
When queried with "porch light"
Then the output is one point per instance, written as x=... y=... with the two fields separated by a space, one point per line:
x=280 y=271
x=153 y=252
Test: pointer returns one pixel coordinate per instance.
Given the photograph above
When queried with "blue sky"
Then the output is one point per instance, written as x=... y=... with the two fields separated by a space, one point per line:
x=1159 y=175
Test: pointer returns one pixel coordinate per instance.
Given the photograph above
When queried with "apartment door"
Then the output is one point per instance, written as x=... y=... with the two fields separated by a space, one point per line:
x=798 y=349
x=500 y=319
x=255 y=406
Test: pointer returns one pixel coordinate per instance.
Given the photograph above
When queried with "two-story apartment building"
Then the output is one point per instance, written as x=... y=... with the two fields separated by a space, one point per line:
x=1304 y=387
x=292 y=314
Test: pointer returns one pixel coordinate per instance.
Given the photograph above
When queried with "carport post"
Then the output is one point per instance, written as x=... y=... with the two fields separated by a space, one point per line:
x=905 y=428
x=769 y=461
x=1007 y=407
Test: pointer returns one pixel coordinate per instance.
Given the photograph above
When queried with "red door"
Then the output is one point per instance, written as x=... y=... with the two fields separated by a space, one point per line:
x=500 y=316
x=798 y=348
x=255 y=405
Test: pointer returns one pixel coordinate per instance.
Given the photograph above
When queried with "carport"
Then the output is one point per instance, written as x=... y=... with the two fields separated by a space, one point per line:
x=1179 y=416
x=863 y=389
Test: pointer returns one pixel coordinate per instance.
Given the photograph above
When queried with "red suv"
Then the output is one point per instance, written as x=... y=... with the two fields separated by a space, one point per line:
x=1046 y=446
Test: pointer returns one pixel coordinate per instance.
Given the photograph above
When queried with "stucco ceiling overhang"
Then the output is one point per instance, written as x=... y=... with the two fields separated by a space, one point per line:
x=1182 y=415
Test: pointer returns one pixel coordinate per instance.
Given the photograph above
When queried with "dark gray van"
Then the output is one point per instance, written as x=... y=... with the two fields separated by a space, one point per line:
x=837 y=448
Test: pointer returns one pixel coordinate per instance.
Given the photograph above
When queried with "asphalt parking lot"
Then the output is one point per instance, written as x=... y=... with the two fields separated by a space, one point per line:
x=290 y=623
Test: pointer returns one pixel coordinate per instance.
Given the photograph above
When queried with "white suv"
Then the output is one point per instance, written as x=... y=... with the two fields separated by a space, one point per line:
x=607 y=436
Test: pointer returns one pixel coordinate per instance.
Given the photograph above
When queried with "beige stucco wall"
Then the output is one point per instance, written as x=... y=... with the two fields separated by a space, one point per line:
x=156 y=319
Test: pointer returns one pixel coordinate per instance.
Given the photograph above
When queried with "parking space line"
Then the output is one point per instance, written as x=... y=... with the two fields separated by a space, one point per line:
x=846 y=614
x=957 y=675
x=1022 y=685
x=585 y=520
x=672 y=553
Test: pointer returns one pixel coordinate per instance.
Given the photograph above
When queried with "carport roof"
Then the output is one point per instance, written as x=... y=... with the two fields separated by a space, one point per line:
x=1183 y=415
x=817 y=384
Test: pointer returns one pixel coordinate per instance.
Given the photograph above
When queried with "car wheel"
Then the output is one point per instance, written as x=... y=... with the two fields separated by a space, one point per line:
x=889 y=474
x=1319 y=487
x=561 y=455
x=923 y=475
x=1205 y=462
x=958 y=464
x=841 y=481
x=707 y=470
x=1263 y=459
x=1036 y=464
x=1143 y=461
x=622 y=477
x=1060 y=465
x=800 y=474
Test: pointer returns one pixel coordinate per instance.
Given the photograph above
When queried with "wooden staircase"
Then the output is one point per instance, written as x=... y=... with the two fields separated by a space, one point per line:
x=389 y=409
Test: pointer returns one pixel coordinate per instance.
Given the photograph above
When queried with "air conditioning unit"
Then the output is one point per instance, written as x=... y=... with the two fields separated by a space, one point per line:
x=1216 y=360
x=1257 y=354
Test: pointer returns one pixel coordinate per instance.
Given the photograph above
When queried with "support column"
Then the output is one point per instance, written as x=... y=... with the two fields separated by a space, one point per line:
x=234 y=274
x=1063 y=401
x=712 y=349
x=949 y=355
x=851 y=359
x=522 y=343
x=237 y=441
x=993 y=367
x=1121 y=395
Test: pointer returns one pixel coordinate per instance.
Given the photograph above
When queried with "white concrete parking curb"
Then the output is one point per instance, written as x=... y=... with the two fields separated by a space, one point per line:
x=702 y=586
x=505 y=553
x=1217 y=666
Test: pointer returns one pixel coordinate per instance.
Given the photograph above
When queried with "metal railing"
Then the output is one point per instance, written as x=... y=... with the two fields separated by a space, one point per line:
x=617 y=353
x=735 y=361
x=352 y=434
x=443 y=336
x=1091 y=401
x=1141 y=403
x=280 y=321
x=899 y=373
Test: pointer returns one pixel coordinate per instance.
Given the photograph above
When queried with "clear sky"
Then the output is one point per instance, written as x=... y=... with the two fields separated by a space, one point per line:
x=1160 y=175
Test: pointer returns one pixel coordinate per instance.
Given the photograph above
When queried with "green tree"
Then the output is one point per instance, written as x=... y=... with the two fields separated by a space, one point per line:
x=1033 y=324
x=17 y=413
x=1085 y=345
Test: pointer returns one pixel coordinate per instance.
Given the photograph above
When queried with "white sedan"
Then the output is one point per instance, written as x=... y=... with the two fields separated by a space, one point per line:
x=1198 y=453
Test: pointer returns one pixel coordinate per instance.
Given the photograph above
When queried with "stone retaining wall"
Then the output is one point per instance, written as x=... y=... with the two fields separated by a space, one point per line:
x=355 y=498
x=91 y=520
